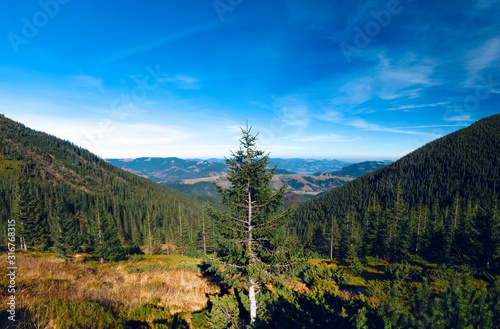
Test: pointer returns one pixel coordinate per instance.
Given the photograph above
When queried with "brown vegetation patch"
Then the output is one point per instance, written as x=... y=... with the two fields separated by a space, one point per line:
x=114 y=285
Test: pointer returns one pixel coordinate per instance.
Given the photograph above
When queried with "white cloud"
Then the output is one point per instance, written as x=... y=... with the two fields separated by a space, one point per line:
x=392 y=79
x=185 y=82
x=398 y=78
x=365 y=125
x=327 y=138
x=148 y=46
x=432 y=126
x=293 y=110
x=483 y=57
x=87 y=81
x=460 y=118
x=416 y=106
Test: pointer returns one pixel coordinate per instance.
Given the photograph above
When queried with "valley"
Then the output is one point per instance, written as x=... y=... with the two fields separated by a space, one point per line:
x=194 y=177
x=137 y=246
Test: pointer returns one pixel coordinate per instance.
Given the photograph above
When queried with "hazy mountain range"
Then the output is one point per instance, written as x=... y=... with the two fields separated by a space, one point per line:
x=305 y=177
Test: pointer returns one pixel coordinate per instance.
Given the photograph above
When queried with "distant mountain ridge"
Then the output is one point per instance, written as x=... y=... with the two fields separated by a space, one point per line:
x=173 y=169
x=169 y=169
x=195 y=176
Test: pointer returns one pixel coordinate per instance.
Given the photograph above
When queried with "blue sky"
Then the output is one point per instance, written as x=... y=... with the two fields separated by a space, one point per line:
x=318 y=79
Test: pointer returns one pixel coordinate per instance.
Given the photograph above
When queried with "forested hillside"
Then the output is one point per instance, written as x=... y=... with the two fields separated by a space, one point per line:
x=65 y=197
x=439 y=202
x=360 y=169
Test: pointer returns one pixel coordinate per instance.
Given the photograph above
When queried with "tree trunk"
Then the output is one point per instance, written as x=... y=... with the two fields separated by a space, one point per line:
x=253 y=301
x=204 y=233
x=331 y=241
x=180 y=221
x=251 y=285
x=150 y=239
x=418 y=232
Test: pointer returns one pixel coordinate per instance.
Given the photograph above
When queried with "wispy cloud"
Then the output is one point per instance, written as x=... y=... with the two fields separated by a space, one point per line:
x=392 y=80
x=292 y=110
x=365 y=125
x=87 y=81
x=327 y=138
x=460 y=118
x=128 y=52
x=483 y=57
x=432 y=126
x=418 y=106
x=401 y=77
x=184 y=82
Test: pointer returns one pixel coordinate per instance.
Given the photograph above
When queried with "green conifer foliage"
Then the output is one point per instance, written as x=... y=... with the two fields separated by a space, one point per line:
x=252 y=236
x=109 y=247
x=152 y=239
x=25 y=208
x=66 y=231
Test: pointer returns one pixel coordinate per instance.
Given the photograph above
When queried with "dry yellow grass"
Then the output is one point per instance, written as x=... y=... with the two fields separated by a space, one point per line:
x=125 y=284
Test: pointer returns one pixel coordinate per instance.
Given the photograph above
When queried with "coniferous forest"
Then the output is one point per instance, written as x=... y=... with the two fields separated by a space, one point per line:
x=65 y=197
x=440 y=202
x=415 y=244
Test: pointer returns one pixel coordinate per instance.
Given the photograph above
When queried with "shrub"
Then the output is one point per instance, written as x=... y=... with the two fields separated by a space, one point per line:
x=225 y=312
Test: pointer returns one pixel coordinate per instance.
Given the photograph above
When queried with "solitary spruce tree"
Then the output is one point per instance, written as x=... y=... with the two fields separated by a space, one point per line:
x=252 y=248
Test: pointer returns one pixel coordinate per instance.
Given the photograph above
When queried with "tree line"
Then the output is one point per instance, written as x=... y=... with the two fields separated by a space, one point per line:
x=65 y=197
x=440 y=202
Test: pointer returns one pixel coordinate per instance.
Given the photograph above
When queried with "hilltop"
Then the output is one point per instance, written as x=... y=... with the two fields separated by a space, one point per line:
x=53 y=183
x=439 y=201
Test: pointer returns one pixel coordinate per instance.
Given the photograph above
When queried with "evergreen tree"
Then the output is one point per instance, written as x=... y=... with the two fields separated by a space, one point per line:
x=350 y=241
x=66 y=231
x=252 y=235
x=183 y=239
x=25 y=208
x=321 y=240
x=152 y=241
x=206 y=236
x=468 y=240
x=372 y=236
x=496 y=234
x=109 y=247
x=41 y=231
x=334 y=236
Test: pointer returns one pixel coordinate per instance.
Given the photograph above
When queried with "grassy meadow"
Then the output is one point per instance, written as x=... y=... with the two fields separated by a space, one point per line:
x=171 y=291
x=142 y=292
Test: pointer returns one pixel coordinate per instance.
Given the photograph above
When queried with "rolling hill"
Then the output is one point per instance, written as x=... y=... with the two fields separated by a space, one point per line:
x=194 y=176
x=431 y=201
x=46 y=182
x=169 y=169
x=360 y=169
x=173 y=170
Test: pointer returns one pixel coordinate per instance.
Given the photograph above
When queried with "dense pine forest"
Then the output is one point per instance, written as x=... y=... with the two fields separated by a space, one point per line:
x=440 y=202
x=65 y=197
x=415 y=244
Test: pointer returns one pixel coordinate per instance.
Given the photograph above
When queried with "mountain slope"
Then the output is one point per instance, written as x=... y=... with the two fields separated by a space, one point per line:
x=173 y=170
x=465 y=161
x=192 y=176
x=360 y=169
x=65 y=181
x=459 y=171
x=169 y=169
